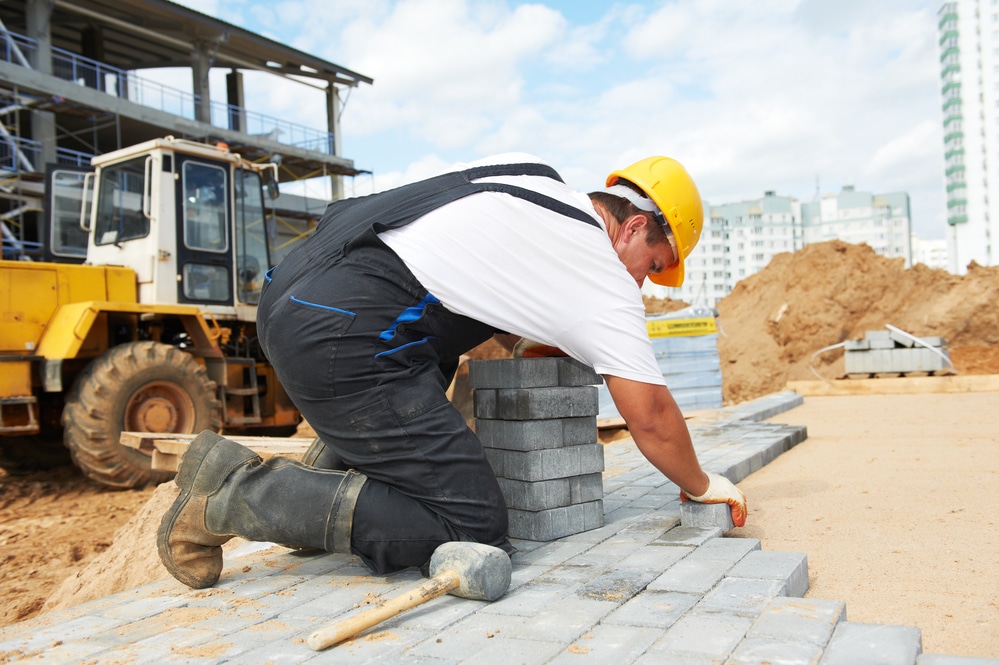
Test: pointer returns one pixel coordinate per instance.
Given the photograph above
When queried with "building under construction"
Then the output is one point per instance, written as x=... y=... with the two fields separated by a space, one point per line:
x=72 y=87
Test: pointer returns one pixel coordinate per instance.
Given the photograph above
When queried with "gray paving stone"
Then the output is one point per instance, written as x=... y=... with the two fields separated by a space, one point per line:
x=617 y=586
x=688 y=535
x=565 y=620
x=536 y=434
x=556 y=522
x=515 y=650
x=513 y=373
x=691 y=575
x=729 y=549
x=535 y=465
x=872 y=644
x=468 y=636
x=531 y=373
x=697 y=514
x=655 y=609
x=810 y=620
x=790 y=567
x=756 y=651
x=529 y=599
x=708 y=635
x=607 y=644
x=741 y=596
x=536 y=403
x=938 y=659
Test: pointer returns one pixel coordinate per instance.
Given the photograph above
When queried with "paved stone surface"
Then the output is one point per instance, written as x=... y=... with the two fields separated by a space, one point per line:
x=640 y=589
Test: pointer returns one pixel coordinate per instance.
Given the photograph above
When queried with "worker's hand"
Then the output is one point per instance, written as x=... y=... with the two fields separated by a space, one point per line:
x=528 y=348
x=721 y=490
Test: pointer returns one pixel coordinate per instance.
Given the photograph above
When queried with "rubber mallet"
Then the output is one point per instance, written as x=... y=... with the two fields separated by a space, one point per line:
x=469 y=570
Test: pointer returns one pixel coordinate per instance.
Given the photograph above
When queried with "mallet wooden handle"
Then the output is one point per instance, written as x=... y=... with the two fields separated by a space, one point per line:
x=351 y=626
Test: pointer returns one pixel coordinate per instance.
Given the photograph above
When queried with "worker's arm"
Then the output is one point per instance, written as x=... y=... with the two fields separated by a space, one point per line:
x=660 y=432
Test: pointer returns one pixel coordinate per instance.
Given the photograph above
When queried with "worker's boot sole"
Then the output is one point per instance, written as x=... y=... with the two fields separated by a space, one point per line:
x=189 y=550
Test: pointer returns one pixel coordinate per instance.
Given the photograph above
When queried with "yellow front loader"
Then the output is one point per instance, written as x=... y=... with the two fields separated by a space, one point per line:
x=156 y=331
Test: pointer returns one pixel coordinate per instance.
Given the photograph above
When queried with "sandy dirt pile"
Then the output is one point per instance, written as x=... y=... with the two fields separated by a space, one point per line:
x=52 y=524
x=775 y=320
x=57 y=528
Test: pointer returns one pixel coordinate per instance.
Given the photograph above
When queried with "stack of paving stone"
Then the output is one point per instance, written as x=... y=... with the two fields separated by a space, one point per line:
x=537 y=419
x=894 y=352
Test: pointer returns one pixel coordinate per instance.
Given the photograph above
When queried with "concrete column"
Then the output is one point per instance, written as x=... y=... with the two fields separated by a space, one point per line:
x=234 y=95
x=333 y=127
x=43 y=125
x=199 y=83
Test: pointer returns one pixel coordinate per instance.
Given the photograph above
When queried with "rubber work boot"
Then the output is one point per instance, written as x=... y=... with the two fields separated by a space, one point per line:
x=226 y=490
x=321 y=456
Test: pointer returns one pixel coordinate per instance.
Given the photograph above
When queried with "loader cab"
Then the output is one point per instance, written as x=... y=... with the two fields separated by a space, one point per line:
x=189 y=219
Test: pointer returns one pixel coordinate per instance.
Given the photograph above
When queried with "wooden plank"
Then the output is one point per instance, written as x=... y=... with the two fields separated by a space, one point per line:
x=167 y=449
x=905 y=385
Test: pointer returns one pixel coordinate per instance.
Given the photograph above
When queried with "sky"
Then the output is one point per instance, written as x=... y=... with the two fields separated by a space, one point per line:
x=802 y=97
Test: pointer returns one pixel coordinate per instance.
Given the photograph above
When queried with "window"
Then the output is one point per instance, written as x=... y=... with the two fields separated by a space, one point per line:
x=119 y=207
x=67 y=238
x=205 y=207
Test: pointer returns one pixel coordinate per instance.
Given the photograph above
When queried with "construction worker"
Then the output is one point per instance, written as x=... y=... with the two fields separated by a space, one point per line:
x=365 y=323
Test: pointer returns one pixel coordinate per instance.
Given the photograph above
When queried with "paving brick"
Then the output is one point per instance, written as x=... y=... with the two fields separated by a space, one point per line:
x=810 y=620
x=536 y=495
x=549 y=464
x=710 y=635
x=790 y=567
x=536 y=434
x=729 y=549
x=565 y=620
x=688 y=535
x=529 y=599
x=536 y=403
x=513 y=373
x=469 y=636
x=756 y=651
x=531 y=373
x=691 y=575
x=741 y=596
x=697 y=514
x=607 y=644
x=502 y=651
x=556 y=522
x=872 y=644
x=617 y=586
x=655 y=609
x=654 y=557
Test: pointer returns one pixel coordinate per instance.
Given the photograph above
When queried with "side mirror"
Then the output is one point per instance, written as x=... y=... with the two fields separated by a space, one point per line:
x=272 y=189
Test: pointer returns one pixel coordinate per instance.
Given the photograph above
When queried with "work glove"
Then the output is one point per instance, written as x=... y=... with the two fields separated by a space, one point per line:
x=528 y=348
x=721 y=490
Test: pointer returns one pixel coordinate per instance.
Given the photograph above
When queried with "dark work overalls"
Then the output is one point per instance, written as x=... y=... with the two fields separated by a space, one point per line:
x=366 y=353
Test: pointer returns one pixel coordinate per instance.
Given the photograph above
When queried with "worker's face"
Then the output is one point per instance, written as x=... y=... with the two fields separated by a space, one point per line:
x=636 y=255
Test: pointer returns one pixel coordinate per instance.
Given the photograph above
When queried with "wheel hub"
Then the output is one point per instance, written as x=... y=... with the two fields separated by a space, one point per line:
x=159 y=408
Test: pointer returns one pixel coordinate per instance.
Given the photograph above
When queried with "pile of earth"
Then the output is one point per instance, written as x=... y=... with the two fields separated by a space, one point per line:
x=775 y=321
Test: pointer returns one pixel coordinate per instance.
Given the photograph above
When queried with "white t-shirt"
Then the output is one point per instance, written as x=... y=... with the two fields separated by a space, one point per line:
x=527 y=270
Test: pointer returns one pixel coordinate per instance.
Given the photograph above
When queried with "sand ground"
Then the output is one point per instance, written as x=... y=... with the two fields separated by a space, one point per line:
x=891 y=499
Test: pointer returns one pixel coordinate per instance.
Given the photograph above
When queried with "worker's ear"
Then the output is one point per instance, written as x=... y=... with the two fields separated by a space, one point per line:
x=635 y=226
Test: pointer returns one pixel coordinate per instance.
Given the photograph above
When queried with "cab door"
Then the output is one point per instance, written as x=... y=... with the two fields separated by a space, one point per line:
x=204 y=242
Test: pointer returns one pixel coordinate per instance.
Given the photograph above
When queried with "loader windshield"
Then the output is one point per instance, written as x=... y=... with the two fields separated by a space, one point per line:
x=119 y=210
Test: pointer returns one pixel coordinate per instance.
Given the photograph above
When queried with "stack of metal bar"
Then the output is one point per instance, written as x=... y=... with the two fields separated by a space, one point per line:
x=537 y=419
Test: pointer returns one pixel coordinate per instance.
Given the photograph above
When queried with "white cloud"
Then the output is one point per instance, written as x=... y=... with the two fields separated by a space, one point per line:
x=773 y=94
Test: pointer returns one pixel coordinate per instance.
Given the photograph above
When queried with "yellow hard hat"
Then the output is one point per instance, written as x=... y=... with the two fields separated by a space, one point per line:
x=671 y=188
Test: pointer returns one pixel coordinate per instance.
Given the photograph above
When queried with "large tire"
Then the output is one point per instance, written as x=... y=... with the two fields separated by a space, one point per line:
x=142 y=387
